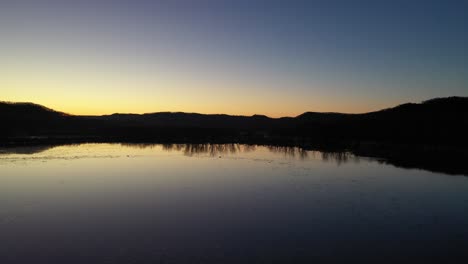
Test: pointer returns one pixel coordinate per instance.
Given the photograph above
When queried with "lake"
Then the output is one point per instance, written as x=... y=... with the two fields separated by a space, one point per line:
x=176 y=203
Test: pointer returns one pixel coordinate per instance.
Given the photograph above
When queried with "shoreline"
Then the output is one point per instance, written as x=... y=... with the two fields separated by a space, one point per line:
x=447 y=159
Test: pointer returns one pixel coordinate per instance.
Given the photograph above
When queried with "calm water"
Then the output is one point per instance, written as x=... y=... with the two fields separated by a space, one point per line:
x=110 y=203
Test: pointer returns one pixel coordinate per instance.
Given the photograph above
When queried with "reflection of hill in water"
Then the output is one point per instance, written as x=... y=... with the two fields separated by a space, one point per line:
x=25 y=150
x=452 y=163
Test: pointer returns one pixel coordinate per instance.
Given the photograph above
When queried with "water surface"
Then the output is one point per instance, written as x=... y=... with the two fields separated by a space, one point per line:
x=111 y=203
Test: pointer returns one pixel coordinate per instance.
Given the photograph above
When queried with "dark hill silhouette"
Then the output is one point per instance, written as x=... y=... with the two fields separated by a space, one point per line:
x=28 y=119
x=168 y=119
x=27 y=110
x=430 y=135
x=440 y=121
x=436 y=121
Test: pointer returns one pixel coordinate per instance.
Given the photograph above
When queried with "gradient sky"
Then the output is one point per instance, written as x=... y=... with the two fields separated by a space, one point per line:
x=278 y=58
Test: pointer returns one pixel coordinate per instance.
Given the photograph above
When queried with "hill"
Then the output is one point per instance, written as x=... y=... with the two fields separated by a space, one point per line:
x=440 y=121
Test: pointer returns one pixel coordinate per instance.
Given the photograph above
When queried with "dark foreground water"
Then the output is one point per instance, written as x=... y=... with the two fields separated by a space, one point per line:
x=103 y=203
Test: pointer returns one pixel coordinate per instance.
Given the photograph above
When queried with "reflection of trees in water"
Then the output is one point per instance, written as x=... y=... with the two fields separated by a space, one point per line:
x=223 y=149
x=249 y=148
x=220 y=149
x=290 y=151
x=139 y=145
x=211 y=149
x=454 y=161
x=171 y=147
x=339 y=157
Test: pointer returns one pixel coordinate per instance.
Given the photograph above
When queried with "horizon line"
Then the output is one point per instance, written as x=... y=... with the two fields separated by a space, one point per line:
x=240 y=115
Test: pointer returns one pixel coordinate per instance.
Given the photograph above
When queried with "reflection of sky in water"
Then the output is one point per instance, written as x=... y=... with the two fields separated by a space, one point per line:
x=117 y=204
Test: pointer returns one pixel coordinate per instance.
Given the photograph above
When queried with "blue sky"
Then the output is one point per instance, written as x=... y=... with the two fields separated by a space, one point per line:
x=239 y=57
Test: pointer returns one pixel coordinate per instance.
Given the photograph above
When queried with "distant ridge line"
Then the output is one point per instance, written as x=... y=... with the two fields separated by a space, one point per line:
x=438 y=100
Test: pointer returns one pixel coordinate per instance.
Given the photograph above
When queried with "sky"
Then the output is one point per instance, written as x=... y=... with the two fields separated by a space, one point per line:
x=278 y=58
